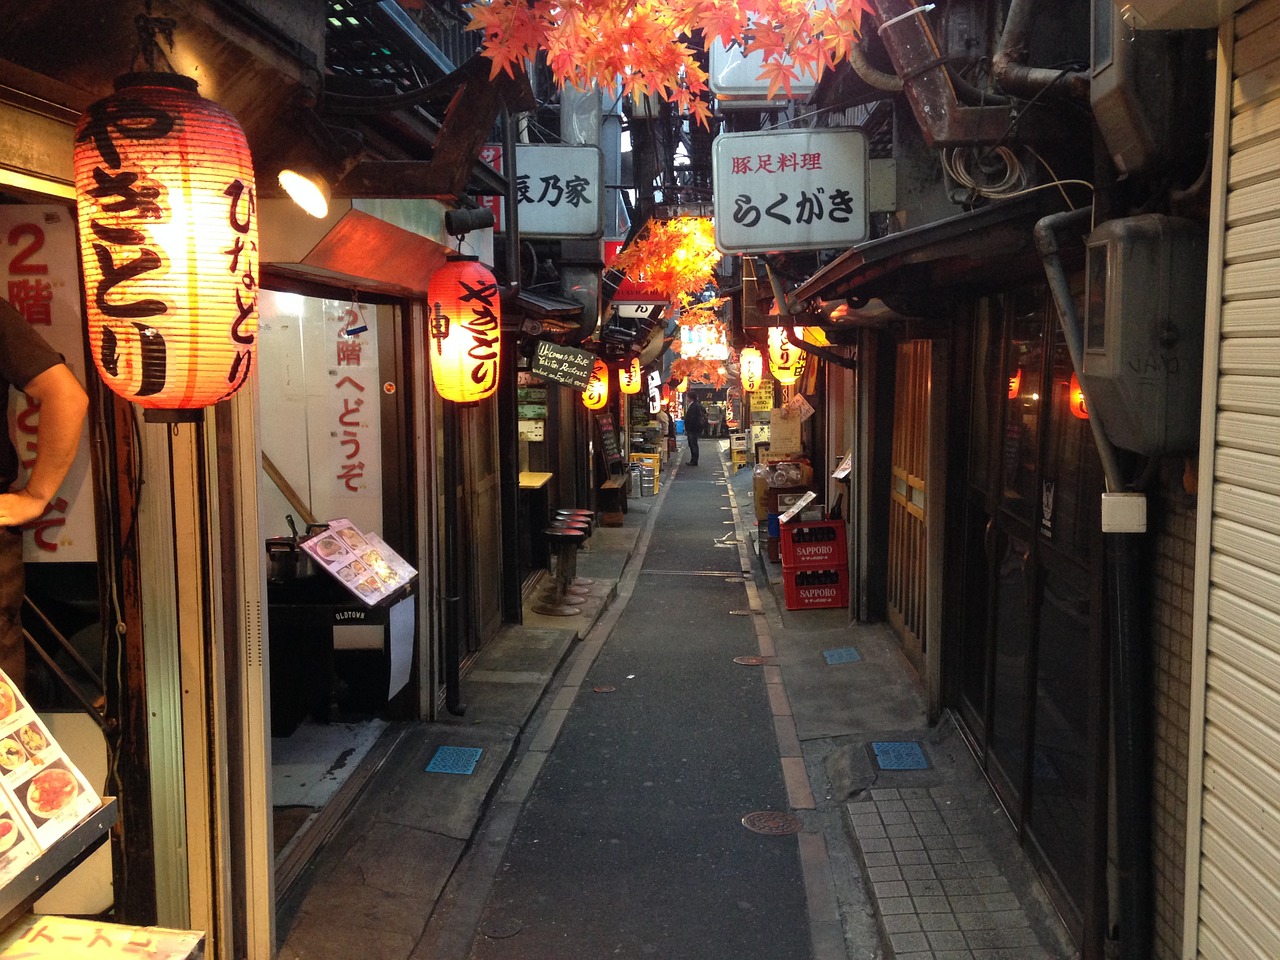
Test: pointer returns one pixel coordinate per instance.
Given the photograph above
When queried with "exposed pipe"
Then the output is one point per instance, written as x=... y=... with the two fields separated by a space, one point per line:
x=790 y=309
x=1007 y=64
x=888 y=82
x=453 y=564
x=1127 y=605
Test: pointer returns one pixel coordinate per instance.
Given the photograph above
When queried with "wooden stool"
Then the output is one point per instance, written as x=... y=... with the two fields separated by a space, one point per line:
x=566 y=540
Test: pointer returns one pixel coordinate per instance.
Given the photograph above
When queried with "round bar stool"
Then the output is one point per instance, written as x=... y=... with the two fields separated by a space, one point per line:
x=583 y=516
x=573 y=591
x=566 y=541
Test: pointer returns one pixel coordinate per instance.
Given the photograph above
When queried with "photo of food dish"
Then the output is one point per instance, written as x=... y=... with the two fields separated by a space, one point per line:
x=9 y=833
x=50 y=791
x=8 y=701
x=33 y=738
x=329 y=547
x=369 y=586
x=12 y=756
x=353 y=538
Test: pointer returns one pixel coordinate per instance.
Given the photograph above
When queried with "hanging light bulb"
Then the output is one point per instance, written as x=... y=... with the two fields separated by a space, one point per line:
x=466 y=330
x=786 y=361
x=629 y=379
x=166 y=200
x=596 y=395
x=751 y=368
x=684 y=385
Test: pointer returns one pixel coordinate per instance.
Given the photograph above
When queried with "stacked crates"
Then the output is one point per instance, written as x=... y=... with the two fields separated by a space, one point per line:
x=646 y=467
x=815 y=564
x=738 y=449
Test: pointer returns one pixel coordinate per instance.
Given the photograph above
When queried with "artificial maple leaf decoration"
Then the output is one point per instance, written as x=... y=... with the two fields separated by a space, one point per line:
x=674 y=257
x=642 y=44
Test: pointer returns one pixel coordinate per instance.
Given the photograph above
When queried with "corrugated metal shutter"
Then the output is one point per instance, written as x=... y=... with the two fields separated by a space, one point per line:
x=1238 y=907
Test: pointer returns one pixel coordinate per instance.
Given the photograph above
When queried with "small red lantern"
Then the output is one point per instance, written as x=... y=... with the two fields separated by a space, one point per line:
x=750 y=368
x=596 y=396
x=786 y=360
x=167 y=207
x=629 y=379
x=683 y=386
x=1075 y=399
x=1015 y=384
x=466 y=330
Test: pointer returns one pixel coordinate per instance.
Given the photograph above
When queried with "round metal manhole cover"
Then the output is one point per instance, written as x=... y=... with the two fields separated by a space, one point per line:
x=502 y=929
x=603 y=688
x=752 y=661
x=772 y=822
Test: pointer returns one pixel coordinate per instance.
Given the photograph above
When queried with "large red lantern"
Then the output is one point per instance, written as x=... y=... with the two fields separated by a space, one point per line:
x=750 y=368
x=596 y=395
x=786 y=360
x=1075 y=399
x=629 y=378
x=466 y=330
x=168 y=243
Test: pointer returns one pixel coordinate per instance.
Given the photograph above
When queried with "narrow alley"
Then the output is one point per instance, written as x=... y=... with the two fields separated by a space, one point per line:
x=617 y=820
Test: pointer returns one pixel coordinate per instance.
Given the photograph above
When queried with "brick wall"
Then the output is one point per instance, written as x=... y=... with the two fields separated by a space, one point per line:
x=1174 y=519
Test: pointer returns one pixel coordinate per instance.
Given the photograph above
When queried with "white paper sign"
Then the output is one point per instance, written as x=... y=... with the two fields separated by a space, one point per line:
x=789 y=189
x=560 y=190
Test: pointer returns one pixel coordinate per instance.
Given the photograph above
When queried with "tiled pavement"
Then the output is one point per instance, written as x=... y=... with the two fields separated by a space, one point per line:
x=939 y=889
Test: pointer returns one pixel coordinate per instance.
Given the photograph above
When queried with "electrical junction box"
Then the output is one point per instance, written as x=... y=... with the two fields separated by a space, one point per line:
x=1144 y=331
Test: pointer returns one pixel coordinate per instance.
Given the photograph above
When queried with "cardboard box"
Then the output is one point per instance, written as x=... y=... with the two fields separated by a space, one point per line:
x=772 y=501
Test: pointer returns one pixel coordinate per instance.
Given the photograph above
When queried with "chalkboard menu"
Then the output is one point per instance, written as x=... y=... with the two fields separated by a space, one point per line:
x=567 y=365
x=609 y=440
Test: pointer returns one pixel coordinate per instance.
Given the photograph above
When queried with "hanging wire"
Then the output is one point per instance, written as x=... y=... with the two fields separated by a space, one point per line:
x=150 y=31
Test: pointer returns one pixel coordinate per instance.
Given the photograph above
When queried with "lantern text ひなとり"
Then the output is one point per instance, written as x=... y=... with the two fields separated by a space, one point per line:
x=168 y=242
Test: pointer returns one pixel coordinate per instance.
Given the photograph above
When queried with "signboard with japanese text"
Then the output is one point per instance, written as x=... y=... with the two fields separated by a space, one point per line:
x=790 y=189
x=319 y=377
x=491 y=153
x=40 y=268
x=762 y=398
x=57 y=938
x=567 y=365
x=559 y=190
x=361 y=562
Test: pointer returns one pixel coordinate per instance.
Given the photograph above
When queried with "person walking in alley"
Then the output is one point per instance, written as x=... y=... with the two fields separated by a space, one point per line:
x=35 y=368
x=695 y=418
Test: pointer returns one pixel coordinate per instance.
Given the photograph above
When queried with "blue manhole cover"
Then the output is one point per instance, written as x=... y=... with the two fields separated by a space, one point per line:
x=900 y=755
x=841 y=655
x=454 y=760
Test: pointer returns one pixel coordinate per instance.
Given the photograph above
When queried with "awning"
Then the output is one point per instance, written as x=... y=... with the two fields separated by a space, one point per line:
x=989 y=246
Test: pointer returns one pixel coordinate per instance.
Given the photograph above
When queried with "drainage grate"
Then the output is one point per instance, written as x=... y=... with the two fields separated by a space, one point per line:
x=772 y=822
x=454 y=760
x=900 y=755
x=841 y=655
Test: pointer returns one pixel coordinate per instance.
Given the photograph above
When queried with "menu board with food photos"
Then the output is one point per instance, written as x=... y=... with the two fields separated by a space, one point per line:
x=42 y=793
x=362 y=562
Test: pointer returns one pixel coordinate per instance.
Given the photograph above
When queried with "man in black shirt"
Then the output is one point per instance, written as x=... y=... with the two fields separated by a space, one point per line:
x=35 y=368
x=695 y=419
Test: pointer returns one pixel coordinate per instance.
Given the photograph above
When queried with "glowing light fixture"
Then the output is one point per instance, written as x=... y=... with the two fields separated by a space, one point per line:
x=466 y=330
x=786 y=361
x=596 y=396
x=307 y=188
x=166 y=201
x=684 y=385
x=1075 y=399
x=629 y=378
x=751 y=368
x=1015 y=384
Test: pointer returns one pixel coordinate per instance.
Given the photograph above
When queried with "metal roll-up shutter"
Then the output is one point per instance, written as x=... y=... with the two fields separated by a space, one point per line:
x=1235 y=910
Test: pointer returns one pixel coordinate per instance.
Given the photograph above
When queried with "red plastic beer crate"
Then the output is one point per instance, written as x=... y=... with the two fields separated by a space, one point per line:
x=808 y=588
x=813 y=543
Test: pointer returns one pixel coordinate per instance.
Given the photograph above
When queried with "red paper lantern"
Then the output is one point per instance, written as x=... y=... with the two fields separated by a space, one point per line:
x=596 y=395
x=466 y=330
x=629 y=379
x=786 y=360
x=1075 y=399
x=1015 y=384
x=168 y=243
x=750 y=368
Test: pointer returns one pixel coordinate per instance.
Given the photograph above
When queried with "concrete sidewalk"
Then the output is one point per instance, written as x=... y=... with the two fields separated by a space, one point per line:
x=914 y=863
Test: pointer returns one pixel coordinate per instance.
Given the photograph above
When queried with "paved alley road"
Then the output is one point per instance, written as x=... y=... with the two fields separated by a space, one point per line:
x=631 y=843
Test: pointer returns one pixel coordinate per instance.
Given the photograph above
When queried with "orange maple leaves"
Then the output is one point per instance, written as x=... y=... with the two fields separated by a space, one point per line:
x=643 y=46
x=674 y=257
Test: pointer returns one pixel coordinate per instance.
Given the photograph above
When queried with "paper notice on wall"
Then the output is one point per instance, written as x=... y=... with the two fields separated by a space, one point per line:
x=800 y=407
x=784 y=433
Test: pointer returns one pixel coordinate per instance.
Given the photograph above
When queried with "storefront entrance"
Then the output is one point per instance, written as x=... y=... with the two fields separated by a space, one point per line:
x=1028 y=678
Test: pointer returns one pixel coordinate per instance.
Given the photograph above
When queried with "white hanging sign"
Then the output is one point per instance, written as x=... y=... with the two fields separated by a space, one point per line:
x=559 y=190
x=790 y=189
